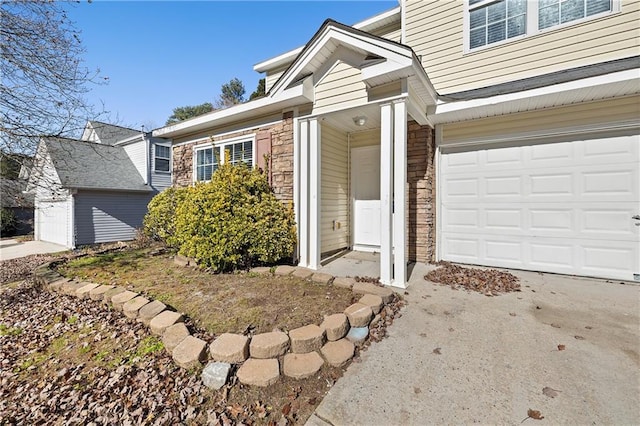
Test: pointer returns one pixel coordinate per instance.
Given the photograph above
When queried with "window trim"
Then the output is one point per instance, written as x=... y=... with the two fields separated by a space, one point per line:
x=166 y=158
x=222 y=144
x=531 y=23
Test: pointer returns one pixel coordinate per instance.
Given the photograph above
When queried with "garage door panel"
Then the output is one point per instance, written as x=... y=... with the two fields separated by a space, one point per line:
x=563 y=207
x=52 y=219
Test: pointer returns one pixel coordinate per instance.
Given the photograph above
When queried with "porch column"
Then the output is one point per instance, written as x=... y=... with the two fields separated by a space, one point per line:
x=400 y=193
x=314 y=193
x=303 y=188
x=386 y=193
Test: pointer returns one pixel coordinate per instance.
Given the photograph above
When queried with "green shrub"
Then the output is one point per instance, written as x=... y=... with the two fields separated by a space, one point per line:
x=160 y=221
x=7 y=222
x=234 y=221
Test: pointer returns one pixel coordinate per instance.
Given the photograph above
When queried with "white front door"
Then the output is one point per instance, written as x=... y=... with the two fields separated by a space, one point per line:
x=365 y=193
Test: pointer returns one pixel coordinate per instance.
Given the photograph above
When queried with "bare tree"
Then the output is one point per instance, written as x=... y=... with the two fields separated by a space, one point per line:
x=43 y=79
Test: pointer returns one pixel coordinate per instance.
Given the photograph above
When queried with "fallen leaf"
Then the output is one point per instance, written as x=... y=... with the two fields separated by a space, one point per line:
x=555 y=325
x=550 y=392
x=538 y=307
x=286 y=409
x=534 y=414
x=423 y=334
x=561 y=347
x=417 y=390
x=451 y=329
x=579 y=337
x=513 y=314
x=312 y=401
x=437 y=351
x=588 y=327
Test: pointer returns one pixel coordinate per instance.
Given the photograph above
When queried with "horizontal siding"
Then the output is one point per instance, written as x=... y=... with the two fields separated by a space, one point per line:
x=272 y=76
x=367 y=138
x=159 y=180
x=342 y=85
x=600 y=112
x=435 y=31
x=136 y=151
x=108 y=216
x=334 y=190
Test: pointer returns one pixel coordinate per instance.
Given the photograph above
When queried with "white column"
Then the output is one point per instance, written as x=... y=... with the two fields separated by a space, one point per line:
x=303 y=208
x=386 y=192
x=314 y=193
x=400 y=193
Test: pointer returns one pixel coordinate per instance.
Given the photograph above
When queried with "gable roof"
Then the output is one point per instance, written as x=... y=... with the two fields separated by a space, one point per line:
x=88 y=165
x=109 y=134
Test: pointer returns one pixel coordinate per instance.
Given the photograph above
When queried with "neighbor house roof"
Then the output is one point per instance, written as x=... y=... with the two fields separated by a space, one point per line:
x=109 y=134
x=88 y=165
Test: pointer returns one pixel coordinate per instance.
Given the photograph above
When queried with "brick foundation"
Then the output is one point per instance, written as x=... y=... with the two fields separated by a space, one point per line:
x=422 y=192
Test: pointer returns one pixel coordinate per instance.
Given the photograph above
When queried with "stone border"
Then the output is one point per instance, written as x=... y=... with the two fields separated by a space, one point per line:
x=303 y=351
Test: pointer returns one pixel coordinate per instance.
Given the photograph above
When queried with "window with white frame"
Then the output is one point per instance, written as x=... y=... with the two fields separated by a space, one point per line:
x=494 y=21
x=556 y=12
x=208 y=158
x=162 y=158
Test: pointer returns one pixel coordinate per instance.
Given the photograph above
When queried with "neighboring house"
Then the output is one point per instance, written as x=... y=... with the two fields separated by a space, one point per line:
x=97 y=190
x=13 y=183
x=500 y=133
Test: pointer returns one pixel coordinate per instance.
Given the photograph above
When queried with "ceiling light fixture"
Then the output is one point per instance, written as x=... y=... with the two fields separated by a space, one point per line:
x=360 y=120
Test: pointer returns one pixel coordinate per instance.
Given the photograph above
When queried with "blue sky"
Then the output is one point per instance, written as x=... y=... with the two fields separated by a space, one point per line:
x=160 y=55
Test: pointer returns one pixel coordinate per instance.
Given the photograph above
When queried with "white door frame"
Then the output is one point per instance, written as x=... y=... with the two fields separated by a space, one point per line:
x=352 y=177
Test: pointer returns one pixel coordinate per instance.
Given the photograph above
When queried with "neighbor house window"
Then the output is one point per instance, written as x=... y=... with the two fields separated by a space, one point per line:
x=555 y=12
x=162 y=158
x=494 y=21
x=209 y=158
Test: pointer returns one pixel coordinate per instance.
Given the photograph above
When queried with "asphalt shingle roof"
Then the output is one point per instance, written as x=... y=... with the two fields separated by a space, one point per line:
x=89 y=165
x=110 y=133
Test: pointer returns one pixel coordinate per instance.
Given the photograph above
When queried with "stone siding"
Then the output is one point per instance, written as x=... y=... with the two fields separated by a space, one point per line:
x=422 y=192
x=275 y=140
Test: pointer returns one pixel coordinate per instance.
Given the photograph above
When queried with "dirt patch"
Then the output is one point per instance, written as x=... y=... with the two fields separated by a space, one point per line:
x=236 y=303
x=489 y=282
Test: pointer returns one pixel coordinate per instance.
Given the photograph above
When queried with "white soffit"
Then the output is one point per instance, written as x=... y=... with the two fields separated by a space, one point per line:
x=622 y=83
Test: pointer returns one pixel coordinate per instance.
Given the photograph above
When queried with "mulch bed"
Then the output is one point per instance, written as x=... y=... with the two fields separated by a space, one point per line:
x=489 y=282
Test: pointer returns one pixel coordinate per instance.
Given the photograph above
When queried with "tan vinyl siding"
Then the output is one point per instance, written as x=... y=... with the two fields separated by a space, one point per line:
x=342 y=86
x=366 y=138
x=435 y=31
x=562 y=118
x=272 y=76
x=335 y=190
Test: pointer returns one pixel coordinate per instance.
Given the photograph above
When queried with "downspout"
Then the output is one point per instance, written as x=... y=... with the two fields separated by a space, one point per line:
x=147 y=155
x=349 y=196
x=403 y=22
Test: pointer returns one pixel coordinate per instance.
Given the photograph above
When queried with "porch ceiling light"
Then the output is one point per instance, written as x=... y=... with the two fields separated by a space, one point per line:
x=360 y=120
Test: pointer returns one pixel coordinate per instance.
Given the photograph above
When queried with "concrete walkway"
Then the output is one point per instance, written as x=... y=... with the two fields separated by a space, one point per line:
x=460 y=358
x=13 y=249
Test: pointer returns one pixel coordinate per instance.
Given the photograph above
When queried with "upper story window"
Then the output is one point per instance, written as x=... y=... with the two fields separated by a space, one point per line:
x=494 y=21
x=555 y=12
x=208 y=158
x=162 y=158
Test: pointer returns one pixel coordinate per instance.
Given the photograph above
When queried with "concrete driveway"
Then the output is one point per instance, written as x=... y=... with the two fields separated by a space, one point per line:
x=13 y=249
x=496 y=356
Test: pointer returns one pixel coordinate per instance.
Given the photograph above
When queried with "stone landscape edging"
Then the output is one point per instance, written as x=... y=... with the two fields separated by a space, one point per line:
x=333 y=342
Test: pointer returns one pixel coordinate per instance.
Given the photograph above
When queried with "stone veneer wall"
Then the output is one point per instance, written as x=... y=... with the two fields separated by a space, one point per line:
x=422 y=192
x=276 y=140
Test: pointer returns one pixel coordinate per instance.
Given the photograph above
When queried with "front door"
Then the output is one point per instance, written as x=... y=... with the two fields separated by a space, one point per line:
x=365 y=193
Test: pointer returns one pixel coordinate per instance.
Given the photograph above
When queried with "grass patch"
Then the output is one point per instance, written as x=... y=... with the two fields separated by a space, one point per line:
x=5 y=330
x=217 y=303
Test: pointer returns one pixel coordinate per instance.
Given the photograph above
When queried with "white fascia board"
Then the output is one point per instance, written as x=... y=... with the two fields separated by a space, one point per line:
x=444 y=110
x=288 y=57
x=135 y=138
x=291 y=97
x=388 y=50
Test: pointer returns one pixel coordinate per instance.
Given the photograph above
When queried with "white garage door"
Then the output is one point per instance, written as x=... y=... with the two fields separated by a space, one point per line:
x=563 y=207
x=53 y=222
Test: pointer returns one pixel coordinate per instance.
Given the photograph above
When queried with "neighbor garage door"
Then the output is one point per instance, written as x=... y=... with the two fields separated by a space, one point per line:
x=562 y=207
x=53 y=224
